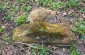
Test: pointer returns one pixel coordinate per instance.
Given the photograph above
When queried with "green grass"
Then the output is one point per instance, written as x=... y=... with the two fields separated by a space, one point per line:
x=72 y=3
x=1 y=5
x=80 y=30
x=7 y=17
x=57 y=5
x=40 y=49
x=22 y=19
x=74 y=51
x=12 y=9
x=79 y=27
x=44 y=3
x=1 y=29
x=26 y=7
x=8 y=38
x=51 y=4
x=82 y=10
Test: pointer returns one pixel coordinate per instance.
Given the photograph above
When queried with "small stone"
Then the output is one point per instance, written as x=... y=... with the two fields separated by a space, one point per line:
x=63 y=50
x=64 y=14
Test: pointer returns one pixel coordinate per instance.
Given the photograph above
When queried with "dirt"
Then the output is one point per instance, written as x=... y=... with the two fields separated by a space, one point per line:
x=63 y=17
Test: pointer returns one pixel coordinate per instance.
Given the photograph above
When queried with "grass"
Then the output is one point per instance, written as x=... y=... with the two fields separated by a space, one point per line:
x=40 y=49
x=12 y=9
x=72 y=3
x=1 y=29
x=82 y=10
x=22 y=19
x=51 y=4
x=79 y=27
x=57 y=5
x=8 y=38
x=25 y=6
x=44 y=3
x=74 y=51
x=8 y=17
x=1 y=5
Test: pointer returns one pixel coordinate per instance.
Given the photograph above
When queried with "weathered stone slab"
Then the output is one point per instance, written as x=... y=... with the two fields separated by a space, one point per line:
x=53 y=33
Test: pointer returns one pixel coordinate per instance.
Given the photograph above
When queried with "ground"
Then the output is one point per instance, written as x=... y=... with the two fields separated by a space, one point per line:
x=10 y=11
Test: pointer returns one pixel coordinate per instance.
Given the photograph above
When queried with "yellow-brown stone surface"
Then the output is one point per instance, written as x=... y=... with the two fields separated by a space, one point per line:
x=40 y=30
x=53 y=33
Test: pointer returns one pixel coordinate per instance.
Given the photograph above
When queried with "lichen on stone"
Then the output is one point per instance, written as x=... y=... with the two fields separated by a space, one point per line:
x=39 y=30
